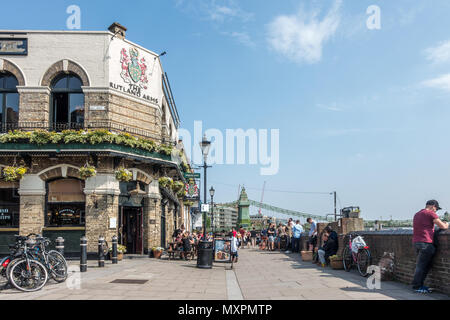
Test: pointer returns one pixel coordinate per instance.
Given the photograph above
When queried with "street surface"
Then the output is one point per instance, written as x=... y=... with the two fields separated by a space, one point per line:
x=257 y=276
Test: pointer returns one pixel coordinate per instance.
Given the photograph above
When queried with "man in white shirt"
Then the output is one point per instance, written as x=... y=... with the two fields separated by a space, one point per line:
x=234 y=248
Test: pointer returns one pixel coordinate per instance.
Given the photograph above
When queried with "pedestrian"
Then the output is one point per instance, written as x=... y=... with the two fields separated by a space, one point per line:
x=281 y=233
x=234 y=248
x=248 y=237
x=263 y=239
x=271 y=234
x=253 y=235
x=289 y=236
x=424 y=222
x=297 y=231
x=312 y=235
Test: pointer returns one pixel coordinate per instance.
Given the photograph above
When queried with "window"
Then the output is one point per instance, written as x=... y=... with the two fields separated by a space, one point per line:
x=9 y=208
x=67 y=110
x=65 y=203
x=9 y=102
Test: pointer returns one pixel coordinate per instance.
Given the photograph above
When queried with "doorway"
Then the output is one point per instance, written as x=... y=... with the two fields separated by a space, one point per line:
x=131 y=229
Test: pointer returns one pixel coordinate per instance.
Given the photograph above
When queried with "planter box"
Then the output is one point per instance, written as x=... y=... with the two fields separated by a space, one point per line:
x=307 y=255
x=337 y=264
x=157 y=254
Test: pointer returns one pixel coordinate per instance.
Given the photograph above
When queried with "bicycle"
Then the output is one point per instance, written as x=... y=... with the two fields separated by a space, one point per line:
x=26 y=273
x=362 y=259
x=54 y=261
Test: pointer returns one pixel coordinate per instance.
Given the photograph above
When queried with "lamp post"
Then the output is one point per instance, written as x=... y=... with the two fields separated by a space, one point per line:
x=205 y=248
x=211 y=193
x=205 y=145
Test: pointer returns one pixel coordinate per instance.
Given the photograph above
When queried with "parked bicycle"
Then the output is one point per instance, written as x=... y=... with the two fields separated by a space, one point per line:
x=29 y=252
x=54 y=261
x=25 y=272
x=357 y=253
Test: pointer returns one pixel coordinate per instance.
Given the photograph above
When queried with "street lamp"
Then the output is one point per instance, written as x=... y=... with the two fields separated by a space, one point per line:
x=205 y=145
x=211 y=193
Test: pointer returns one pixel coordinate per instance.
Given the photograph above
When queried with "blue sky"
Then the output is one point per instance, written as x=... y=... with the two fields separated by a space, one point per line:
x=363 y=112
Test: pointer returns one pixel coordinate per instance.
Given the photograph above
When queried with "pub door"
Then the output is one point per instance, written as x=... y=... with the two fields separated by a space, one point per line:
x=131 y=229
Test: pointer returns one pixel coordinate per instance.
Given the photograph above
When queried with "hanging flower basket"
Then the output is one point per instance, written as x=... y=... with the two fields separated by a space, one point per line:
x=124 y=175
x=87 y=172
x=11 y=174
x=165 y=182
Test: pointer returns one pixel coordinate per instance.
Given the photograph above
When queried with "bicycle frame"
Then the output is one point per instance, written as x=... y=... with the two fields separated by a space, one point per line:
x=354 y=255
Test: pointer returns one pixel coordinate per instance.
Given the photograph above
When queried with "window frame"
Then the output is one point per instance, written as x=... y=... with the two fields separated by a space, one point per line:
x=68 y=91
x=4 y=92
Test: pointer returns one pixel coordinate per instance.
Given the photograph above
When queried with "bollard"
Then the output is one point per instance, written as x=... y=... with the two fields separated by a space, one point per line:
x=114 y=250
x=101 y=256
x=60 y=245
x=83 y=256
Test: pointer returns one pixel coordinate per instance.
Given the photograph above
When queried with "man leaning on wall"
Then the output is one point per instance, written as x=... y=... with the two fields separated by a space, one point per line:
x=424 y=222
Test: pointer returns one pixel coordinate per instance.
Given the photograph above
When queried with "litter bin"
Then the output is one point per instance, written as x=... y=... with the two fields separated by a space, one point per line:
x=205 y=255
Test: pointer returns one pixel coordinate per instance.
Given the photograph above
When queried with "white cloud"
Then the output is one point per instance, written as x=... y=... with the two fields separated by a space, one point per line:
x=241 y=37
x=440 y=53
x=331 y=107
x=214 y=10
x=301 y=37
x=442 y=82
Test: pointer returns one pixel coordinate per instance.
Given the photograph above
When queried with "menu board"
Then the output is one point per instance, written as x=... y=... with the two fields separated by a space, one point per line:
x=222 y=248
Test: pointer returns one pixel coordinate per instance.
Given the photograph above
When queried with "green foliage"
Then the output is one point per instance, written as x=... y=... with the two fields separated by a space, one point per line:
x=93 y=137
x=166 y=182
x=124 y=175
x=87 y=172
x=11 y=174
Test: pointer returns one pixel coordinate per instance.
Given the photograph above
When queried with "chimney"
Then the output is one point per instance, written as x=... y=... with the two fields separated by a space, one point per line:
x=118 y=29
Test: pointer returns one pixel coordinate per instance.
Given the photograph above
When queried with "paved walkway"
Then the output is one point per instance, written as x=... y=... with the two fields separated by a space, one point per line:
x=258 y=275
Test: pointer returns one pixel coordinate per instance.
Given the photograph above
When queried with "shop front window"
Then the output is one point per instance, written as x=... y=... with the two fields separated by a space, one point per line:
x=65 y=203
x=9 y=102
x=9 y=208
x=67 y=110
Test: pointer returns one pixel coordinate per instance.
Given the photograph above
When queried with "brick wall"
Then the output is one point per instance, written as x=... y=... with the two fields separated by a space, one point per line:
x=400 y=243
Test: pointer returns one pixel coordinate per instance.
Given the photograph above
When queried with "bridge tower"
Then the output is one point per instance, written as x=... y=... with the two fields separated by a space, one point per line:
x=244 y=210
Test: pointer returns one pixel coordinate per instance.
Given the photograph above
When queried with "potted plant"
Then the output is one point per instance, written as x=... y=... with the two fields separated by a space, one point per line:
x=336 y=262
x=121 y=250
x=87 y=172
x=157 y=252
x=11 y=174
x=124 y=175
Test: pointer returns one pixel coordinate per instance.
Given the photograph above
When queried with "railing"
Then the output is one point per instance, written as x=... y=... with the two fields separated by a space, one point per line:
x=92 y=125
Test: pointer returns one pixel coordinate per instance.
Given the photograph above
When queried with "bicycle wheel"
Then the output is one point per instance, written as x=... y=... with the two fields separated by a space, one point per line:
x=347 y=259
x=58 y=266
x=28 y=276
x=364 y=260
x=9 y=267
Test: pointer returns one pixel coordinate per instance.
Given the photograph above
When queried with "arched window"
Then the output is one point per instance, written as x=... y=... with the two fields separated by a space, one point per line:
x=67 y=110
x=9 y=102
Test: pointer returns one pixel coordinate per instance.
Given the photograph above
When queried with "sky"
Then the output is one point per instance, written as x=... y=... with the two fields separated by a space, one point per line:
x=363 y=112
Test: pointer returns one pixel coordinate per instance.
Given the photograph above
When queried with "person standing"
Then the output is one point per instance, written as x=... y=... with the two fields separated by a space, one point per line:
x=297 y=231
x=289 y=236
x=424 y=222
x=253 y=235
x=271 y=233
x=312 y=241
x=234 y=248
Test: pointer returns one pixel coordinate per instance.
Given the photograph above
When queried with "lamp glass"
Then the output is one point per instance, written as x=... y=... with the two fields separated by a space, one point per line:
x=212 y=191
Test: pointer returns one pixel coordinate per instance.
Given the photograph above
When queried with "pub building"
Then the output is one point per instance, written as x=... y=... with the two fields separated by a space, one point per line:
x=55 y=88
